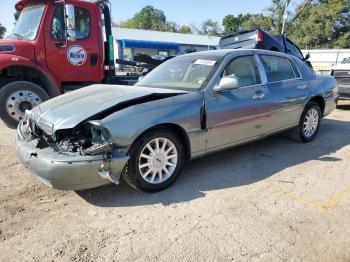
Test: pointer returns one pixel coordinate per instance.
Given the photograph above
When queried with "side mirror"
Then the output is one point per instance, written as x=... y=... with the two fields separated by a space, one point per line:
x=307 y=56
x=70 y=22
x=226 y=83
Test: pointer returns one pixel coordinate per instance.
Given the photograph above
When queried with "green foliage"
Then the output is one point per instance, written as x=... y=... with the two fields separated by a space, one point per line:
x=259 y=21
x=233 y=23
x=185 y=29
x=149 y=18
x=312 y=23
x=323 y=24
x=2 y=31
x=207 y=27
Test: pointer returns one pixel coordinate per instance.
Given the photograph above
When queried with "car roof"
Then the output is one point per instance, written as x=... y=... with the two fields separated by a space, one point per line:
x=225 y=52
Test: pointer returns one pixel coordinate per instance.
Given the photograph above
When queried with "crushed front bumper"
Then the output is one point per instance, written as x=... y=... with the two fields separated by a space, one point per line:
x=66 y=171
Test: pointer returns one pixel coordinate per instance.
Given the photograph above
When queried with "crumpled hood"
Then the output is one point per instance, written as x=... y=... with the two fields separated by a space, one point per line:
x=68 y=110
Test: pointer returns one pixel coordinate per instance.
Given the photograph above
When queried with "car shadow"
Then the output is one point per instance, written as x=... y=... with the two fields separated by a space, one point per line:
x=235 y=167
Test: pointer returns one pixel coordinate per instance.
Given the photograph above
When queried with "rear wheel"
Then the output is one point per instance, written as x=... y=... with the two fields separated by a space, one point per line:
x=309 y=124
x=16 y=98
x=156 y=160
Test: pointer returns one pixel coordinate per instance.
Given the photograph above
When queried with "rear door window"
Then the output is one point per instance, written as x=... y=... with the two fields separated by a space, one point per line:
x=277 y=68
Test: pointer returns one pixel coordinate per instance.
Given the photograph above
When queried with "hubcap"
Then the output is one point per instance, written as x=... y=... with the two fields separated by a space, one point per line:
x=158 y=160
x=310 y=122
x=19 y=102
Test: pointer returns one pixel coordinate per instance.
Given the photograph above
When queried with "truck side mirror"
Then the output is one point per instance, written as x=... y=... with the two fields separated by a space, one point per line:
x=307 y=56
x=70 y=22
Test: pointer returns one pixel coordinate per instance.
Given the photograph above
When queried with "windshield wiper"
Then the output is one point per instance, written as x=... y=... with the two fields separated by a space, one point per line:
x=16 y=36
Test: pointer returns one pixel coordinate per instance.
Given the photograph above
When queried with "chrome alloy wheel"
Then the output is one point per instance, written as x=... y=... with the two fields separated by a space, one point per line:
x=158 y=160
x=310 y=122
x=19 y=102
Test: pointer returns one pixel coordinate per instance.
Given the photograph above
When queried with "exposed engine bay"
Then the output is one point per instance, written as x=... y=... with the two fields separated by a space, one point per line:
x=85 y=139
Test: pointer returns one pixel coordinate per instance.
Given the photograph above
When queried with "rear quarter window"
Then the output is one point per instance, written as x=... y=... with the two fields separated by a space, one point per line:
x=277 y=68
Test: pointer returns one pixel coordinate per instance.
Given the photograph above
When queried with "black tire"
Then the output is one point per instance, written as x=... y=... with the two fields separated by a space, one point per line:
x=297 y=134
x=9 y=89
x=132 y=175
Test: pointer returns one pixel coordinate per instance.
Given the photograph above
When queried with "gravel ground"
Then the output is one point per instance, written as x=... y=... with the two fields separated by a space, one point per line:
x=270 y=200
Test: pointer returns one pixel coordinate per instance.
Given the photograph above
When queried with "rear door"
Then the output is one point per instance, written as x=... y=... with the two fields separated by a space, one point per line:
x=288 y=91
x=237 y=115
x=80 y=60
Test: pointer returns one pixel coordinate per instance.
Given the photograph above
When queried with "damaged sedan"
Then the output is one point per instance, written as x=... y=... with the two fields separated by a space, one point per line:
x=187 y=107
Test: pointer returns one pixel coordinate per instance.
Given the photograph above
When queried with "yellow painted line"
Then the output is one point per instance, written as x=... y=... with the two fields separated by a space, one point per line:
x=320 y=206
x=336 y=199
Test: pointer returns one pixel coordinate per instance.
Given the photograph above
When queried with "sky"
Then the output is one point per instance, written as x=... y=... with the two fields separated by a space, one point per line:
x=180 y=11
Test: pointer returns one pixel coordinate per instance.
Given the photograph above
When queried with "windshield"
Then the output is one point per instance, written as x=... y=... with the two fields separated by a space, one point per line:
x=346 y=61
x=181 y=73
x=28 y=22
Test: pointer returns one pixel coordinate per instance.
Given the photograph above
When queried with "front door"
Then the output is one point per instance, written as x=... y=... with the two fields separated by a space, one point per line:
x=237 y=115
x=80 y=60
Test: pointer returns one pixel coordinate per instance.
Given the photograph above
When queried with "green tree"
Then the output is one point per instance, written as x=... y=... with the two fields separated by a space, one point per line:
x=207 y=27
x=185 y=29
x=171 y=27
x=2 y=31
x=261 y=21
x=233 y=23
x=149 y=18
x=323 y=24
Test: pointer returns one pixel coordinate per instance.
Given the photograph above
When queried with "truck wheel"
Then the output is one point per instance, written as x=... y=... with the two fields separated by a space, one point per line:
x=309 y=124
x=156 y=160
x=16 y=98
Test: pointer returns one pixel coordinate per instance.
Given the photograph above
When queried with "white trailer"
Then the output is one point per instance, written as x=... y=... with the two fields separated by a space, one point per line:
x=324 y=59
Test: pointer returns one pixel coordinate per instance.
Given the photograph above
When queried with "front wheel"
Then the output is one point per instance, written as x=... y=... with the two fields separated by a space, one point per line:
x=156 y=160
x=16 y=98
x=309 y=124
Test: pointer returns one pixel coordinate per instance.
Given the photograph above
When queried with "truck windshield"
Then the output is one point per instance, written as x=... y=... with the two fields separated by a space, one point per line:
x=181 y=73
x=28 y=22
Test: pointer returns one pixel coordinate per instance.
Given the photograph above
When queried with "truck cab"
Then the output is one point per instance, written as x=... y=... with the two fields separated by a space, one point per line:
x=56 y=44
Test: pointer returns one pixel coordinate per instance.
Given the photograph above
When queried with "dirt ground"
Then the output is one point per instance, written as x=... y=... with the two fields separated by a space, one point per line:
x=270 y=200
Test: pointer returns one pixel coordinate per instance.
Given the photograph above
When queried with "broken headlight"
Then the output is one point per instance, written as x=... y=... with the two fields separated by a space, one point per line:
x=99 y=133
x=101 y=137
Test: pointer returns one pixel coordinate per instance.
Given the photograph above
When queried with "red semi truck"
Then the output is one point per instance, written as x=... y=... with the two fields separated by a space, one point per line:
x=56 y=45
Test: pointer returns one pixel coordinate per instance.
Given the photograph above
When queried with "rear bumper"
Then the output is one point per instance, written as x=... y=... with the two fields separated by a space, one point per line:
x=63 y=171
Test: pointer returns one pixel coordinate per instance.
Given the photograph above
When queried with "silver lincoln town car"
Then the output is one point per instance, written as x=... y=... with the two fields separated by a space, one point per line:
x=187 y=107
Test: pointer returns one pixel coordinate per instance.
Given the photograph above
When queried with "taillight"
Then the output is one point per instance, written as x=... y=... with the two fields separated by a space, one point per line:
x=259 y=36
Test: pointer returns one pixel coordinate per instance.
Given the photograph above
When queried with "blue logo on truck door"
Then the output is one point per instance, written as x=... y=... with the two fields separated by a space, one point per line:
x=76 y=55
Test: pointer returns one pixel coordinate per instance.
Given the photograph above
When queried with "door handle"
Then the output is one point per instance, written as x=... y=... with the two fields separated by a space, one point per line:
x=93 y=59
x=302 y=87
x=258 y=95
